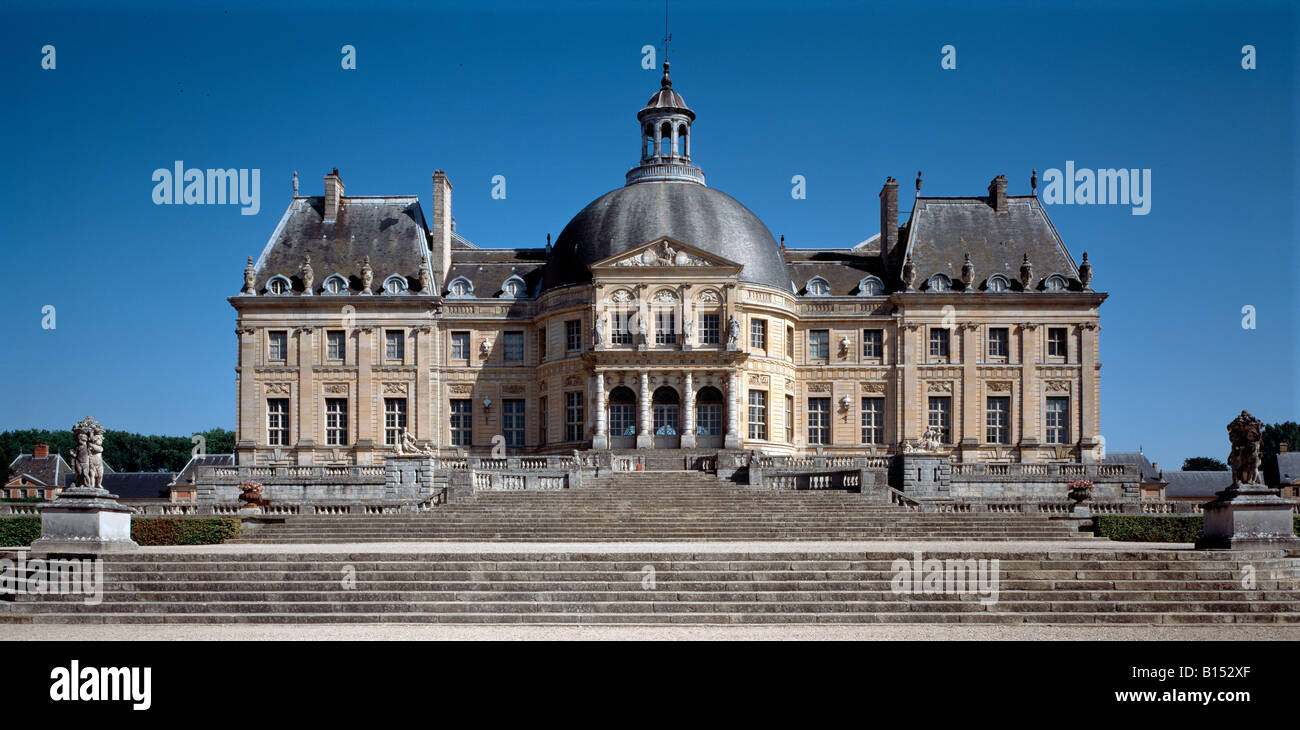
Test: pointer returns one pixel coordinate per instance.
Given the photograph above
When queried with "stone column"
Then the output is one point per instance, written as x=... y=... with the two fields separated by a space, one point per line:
x=1030 y=392
x=644 y=437
x=601 y=440
x=732 y=440
x=306 y=397
x=364 y=406
x=688 y=418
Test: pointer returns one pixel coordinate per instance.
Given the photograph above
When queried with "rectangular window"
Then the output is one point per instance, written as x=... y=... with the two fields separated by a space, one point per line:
x=514 y=346
x=512 y=420
x=622 y=317
x=757 y=334
x=336 y=421
x=460 y=346
x=873 y=420
x=543 y=418
x=819 y=420
x=394 y=345
x=622 y=419
x=758 y=414
x=789 y=419
x=708 y=419
x=710 y=329
x=462 y=422
x=1057 y=420
x=573 y=335
x=574 y=427
x=394 y=420
x=665 y=327
x=278 y=342
x=789 y=343
x=335 y=345
x=938 y=342
x=1056 y=342
x=940 y=414
x=277 y=421
x=819 y=345
x=998 y=342
x=997 y=420
x=873 y=343
x=541 y=344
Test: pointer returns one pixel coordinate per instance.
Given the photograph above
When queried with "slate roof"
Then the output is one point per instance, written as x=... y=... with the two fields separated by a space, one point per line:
x=190 y=471
x=843 y=269
x=1287 y=468
x=488 y=268
x=135 y=484
x=49 y=471
x=1196 y=483
x=941 y=231
x=1146 y=470
x=389 y=229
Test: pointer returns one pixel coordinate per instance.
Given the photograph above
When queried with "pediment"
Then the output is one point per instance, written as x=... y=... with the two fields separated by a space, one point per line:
x=665 y=253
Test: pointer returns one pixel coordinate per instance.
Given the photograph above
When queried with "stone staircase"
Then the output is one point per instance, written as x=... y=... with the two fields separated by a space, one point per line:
x=716 y=586
x=661 y=506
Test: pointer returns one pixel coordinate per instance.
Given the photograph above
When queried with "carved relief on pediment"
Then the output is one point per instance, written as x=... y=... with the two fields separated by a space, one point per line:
x=662 y=254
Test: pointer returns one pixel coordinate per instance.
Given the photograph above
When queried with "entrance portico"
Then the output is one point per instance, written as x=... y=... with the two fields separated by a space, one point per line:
x=674 y=407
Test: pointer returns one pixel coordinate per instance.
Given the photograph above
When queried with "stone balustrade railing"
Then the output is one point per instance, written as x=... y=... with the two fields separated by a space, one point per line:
x=1048 y=469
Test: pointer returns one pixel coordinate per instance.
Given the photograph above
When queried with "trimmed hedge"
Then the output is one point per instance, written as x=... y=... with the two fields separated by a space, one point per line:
x=21 y=531
x=1156 y=528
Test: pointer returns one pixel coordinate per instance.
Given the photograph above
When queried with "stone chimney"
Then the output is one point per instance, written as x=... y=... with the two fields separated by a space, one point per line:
x=1283 y=447
x=441 y=226
x=41 y=451
x=333 y=195
x=889 y=220
x=998 y=193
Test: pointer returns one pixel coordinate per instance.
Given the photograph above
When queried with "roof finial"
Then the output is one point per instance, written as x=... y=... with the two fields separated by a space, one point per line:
x=667 y=37
x=295 y=183
x=1033 y=182
x=918 y=181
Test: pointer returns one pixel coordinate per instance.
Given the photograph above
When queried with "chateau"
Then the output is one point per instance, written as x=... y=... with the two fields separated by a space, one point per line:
x=666 y=316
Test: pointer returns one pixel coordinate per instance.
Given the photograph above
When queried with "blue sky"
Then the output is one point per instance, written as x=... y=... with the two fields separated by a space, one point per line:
x=546 y=95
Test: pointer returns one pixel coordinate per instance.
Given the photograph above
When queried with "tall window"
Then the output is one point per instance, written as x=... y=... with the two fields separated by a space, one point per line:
x=938 y=342
x=573 y=416
x=940 y=416
x=998 y=342
x=622 y=419
x=394 y=345
x=758 y=334
x=1057 y=420
x=819 y=345
x=512 y=420
x=541 y=344
x=997 y=420
x=665 y=326
x=335 y=344
x=543 y=418
x=514 y=346
x=460 y=346
x=819 y=420
x=277 y=421
x=710 y=329
x=573 y=335
x=708 y=416
x=789 y=419
x=278 y=341
x=336 y=421
x=873 y=343
x=1056 y=342
x=394 y=420
x=462 y=422
x=758 y=414
x=789 y=342
x=873 y=420
x=622 y=334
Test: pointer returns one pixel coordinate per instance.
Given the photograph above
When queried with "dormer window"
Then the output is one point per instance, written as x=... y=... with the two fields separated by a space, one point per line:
x=871 y=287
x=513 y=288
x=395 y=284
x=336 y=284
x=460 y=287
x=998 y=284
x=279 y=286
x=818 y=287
x=1055 y=282
x=939 y=283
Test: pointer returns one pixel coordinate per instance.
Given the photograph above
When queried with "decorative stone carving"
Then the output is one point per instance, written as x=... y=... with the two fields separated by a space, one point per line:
x=1247 y=515
x=600 y=330
x=512 y=390
x=688 y=329
x=484 y=349
x=762 y=380
x=708 y=296
x=408 y=446
x=1085 y=271
x=939 y=386
x=1245 y=432
x=662 y=254
x=909 y=273
x=664 y=295
x=819 y=387
x=873 y=387
x=308 y=276
x=395 y=388
x=250 y=279
x=999 y=386
x=930 y=442
x=85 y=518
x=1026 y=273
x=967 y=273
x=367 y=277
x=277 y=388
x=733 y=333
x=336 y=388
x=460 y=388
x=622 y=296
x=1057 y=386
x=426 y=276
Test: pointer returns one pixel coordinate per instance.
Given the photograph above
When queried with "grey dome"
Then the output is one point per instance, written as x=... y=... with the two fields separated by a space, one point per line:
x=707 y=219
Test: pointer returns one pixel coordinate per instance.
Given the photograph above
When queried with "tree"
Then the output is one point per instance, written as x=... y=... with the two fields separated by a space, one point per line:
x=1204 y=463
x=1276 y=433
x=123 y=450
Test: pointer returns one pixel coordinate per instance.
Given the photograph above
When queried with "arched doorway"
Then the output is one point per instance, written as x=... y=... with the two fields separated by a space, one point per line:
x=665 y=418
x=709 y=428
x=622 y=418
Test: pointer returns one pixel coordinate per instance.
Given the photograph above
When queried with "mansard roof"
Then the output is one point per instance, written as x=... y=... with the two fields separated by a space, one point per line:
x=942 y=230
x=488 y=268
x=1146 y=470
x=1195 y=483
x=48 y=471
x=388 y=229
x=842 y=268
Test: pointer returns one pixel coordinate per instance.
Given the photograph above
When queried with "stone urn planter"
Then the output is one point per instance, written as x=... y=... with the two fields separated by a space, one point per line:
x=250 y=495
x=1080 y=492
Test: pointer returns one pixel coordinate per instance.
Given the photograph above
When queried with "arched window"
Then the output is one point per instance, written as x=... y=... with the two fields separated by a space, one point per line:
x=666 y=141
x=336 y=285
x=460 y=287
x=513 y=288
x=278 y=285
x=395 y=284
x=1055 y=282
x=939 y=282
x=648 y=141
x=998 y=284
x=871 y=287
x=818 y=287
x=683 y=148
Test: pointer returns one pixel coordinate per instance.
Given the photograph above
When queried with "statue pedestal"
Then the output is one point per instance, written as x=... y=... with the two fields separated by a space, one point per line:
x=1248 y=516
x=85 y=520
